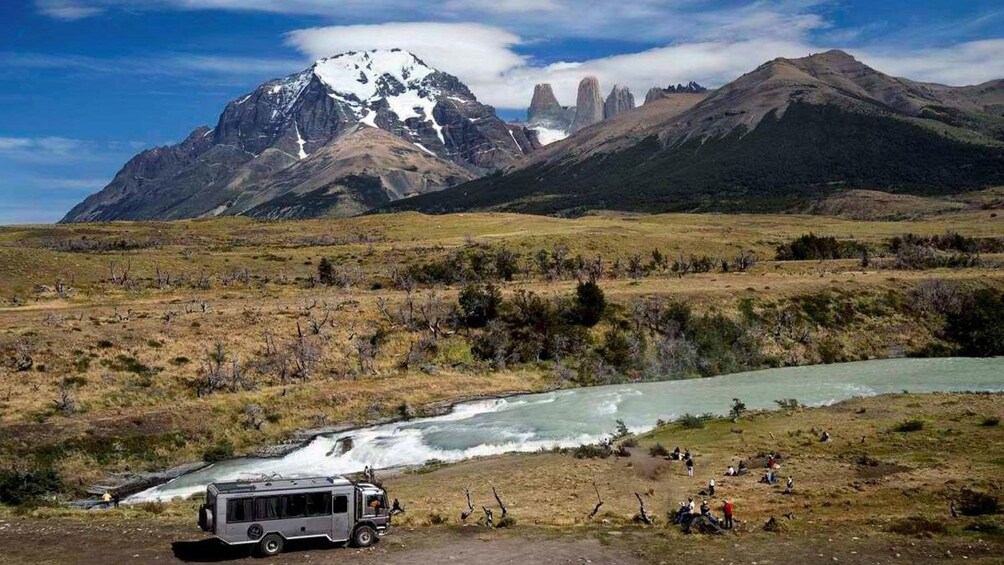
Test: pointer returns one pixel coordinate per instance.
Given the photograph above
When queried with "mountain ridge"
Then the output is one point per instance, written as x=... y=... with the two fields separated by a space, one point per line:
x=719 y=151
x=265 y=132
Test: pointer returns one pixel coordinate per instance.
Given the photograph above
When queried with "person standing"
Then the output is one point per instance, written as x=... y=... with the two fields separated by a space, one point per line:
x=107 y=499
x=727 y=510
x=790 y=486
x=711 y=487
x=690 y=467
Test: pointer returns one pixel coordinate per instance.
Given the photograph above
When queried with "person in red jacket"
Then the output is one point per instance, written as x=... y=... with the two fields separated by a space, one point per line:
x=727 y=510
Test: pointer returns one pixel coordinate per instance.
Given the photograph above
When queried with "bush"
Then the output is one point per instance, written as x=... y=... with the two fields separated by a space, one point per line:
x=909 y=426
x=19 y=488
x=590 y=303
x=974 y=503
x=978 y=327
x=219 y=452
x=629 y=442
x=437 y=519
x=592 y=451
x=325 y=272
x=990 y=421
x=691 y=422
x=917 y=526
x=812 y=247
x=789 y=404
x=506 y=522
x=479 y=305
x=658 y=450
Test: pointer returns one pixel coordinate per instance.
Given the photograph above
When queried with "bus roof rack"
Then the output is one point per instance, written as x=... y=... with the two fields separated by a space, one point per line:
x=267 y=485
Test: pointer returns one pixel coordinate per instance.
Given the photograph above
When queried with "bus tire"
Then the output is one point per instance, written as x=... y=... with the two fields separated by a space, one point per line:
x=271 y=545
x=364 y=536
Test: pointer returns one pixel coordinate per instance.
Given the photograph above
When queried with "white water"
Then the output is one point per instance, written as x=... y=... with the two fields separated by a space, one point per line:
x=571 y=417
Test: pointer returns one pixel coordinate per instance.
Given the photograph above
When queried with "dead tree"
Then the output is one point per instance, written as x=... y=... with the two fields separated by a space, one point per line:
x=470 y=505
x=489 y=520
x=642 y=516
x=23 y=360
x=498 y=499
x=599 y=502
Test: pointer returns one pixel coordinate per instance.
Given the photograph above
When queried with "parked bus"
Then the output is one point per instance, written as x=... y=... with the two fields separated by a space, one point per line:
x=270 y=512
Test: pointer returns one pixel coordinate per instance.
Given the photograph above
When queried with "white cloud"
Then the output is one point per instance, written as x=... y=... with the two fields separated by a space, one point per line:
x=483 y=57
x=40 y=148
x=476 y=53
x=965 y=63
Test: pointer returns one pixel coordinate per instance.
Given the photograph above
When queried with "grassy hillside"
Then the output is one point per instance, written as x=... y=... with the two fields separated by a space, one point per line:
x=805 y=154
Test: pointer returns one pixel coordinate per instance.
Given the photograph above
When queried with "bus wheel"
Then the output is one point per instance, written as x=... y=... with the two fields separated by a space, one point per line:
x=271 y=545
x=364 y=536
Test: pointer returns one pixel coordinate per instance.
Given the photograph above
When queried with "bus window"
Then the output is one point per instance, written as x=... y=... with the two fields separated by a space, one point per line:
x=267 y=508
x=239 y=510
x=375 y=504
x=341 y=505
x=295 y=506
x=318 y=503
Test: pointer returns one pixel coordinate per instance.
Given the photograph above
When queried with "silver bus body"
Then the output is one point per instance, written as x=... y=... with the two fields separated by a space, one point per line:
x=271 y=512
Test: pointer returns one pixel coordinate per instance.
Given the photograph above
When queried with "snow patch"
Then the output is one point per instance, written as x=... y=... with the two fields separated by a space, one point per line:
x=424 y=148
x=300 y=141
x=547 y=136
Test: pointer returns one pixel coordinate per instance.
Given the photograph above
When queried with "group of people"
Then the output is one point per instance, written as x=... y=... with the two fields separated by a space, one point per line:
x=733 y=471
x=770 y=476
x=689 y=508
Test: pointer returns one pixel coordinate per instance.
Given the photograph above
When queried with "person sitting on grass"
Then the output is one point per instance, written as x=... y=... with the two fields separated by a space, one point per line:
x=681 y=513
x=790 y=486
x=743 y=469
x=675 y=456
x=730 y=472
x=690 y=505
x=705 y=508
x=711 y=487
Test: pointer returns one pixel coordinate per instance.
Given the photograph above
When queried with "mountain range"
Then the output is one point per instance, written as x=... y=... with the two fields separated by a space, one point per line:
x=382 y=130
x=349 y=133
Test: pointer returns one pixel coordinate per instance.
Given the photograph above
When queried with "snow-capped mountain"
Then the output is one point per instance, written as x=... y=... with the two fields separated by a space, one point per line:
x=263 y=137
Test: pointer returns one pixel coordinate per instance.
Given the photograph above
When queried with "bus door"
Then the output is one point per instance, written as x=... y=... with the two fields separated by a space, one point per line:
x=340 y=517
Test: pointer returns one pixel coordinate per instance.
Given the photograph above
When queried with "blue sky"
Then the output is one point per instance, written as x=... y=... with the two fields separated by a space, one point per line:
x=89 y=83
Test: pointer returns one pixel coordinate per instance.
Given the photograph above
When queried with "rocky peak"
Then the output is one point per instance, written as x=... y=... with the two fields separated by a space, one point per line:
x=690 y=88
x=589 y=104
x=543 y=104
x=619 y=100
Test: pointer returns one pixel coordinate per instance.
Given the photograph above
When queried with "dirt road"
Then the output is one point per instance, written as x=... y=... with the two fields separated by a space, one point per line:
x=150 y=540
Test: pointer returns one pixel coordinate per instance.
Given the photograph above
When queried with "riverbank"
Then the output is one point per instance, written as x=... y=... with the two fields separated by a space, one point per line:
x=570 y=418
x=885 y=500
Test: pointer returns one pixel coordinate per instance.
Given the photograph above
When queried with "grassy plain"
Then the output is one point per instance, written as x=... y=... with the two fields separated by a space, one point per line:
x=133 y=346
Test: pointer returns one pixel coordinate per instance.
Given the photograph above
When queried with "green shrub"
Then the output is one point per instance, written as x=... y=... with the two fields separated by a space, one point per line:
x=690 y=422
x=437 y=519
x=592 y=451
x=590 y=303
x=19 y=488
x=506 y=522
x=990 y=421
x=219 y=452
x=658 y=450
x=479 y=305
x=978 y=328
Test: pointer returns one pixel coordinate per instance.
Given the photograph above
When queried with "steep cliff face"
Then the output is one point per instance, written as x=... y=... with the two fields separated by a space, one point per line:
x=261 y=135
x=588 y=104
x=619 y=100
